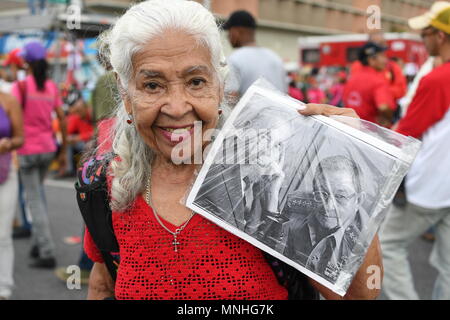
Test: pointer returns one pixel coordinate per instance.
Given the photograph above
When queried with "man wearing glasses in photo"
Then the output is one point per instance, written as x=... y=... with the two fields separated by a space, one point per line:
x=324 y=239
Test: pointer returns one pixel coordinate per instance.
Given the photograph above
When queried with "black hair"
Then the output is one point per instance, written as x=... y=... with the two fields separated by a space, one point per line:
x=364 y=59
x=364 y=62
x=39 y=69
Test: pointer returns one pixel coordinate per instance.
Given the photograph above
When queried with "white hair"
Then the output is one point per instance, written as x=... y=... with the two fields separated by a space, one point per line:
x=149 y=19
x=139 y=25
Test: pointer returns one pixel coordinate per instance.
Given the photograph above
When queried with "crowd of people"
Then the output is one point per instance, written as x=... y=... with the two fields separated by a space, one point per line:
x=45 y=125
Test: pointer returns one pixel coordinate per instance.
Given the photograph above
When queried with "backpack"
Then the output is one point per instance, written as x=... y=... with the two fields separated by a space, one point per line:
x=93 y=201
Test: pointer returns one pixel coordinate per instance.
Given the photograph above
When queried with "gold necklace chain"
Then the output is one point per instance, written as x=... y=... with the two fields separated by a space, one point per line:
x=175 y=234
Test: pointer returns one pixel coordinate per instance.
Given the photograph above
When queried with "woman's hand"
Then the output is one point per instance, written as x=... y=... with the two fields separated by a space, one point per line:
x=101 y=285
x=5 y=145
x=327 y=110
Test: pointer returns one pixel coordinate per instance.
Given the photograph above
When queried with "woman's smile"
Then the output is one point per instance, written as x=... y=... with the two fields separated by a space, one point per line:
x=175 y=135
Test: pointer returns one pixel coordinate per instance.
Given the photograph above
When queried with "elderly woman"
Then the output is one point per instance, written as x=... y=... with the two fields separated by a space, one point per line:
x=171 y=74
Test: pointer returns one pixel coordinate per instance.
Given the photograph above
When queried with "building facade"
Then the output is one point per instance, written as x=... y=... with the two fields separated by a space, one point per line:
x=280 y=22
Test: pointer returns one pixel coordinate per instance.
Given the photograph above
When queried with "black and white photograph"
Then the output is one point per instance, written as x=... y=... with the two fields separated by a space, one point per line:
x=309 y=191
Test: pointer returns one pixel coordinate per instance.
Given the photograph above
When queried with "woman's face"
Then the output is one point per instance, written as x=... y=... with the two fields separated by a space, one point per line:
x=173 y=87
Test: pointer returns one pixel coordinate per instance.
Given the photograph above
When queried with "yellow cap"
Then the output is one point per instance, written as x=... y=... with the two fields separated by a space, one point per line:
x=438 y=17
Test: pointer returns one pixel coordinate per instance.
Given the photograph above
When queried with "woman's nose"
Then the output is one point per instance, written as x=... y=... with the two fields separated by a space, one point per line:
x=177 y=102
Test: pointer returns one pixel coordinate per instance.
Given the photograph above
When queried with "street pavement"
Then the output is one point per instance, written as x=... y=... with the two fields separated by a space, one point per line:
x=37 y=284
x=65 y=221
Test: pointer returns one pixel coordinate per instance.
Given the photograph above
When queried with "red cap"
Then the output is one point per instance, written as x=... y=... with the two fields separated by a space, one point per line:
x=13 y=58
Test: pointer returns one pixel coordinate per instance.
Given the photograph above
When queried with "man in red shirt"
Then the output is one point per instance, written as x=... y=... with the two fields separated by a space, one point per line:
x=392 y=73
x=79 y=121
x=368 y=93
x=79 y=128
x=427 y=183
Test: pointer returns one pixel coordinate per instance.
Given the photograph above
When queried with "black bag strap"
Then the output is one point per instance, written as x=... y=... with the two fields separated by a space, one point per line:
x=93 y=202
x=110 y=264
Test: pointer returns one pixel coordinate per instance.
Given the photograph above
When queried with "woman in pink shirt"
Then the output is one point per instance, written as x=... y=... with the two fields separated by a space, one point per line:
x=295 y=92
x=39 y=98
x=314 y=94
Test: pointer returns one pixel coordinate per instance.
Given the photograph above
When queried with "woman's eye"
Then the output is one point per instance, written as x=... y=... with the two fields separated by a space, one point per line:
x=152 y=86
x=197 y=83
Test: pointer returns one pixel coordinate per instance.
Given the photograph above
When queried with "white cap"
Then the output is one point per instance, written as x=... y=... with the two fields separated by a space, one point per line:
x=425 y=20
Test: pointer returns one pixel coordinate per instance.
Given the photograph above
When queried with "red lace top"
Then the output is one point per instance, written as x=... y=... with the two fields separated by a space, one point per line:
x=211 y=263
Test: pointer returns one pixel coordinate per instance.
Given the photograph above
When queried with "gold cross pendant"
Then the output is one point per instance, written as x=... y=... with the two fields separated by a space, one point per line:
x=175 y=243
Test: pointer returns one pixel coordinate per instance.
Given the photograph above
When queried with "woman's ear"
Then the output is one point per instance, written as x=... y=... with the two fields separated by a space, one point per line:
x=123 y=94
x=221 y=94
